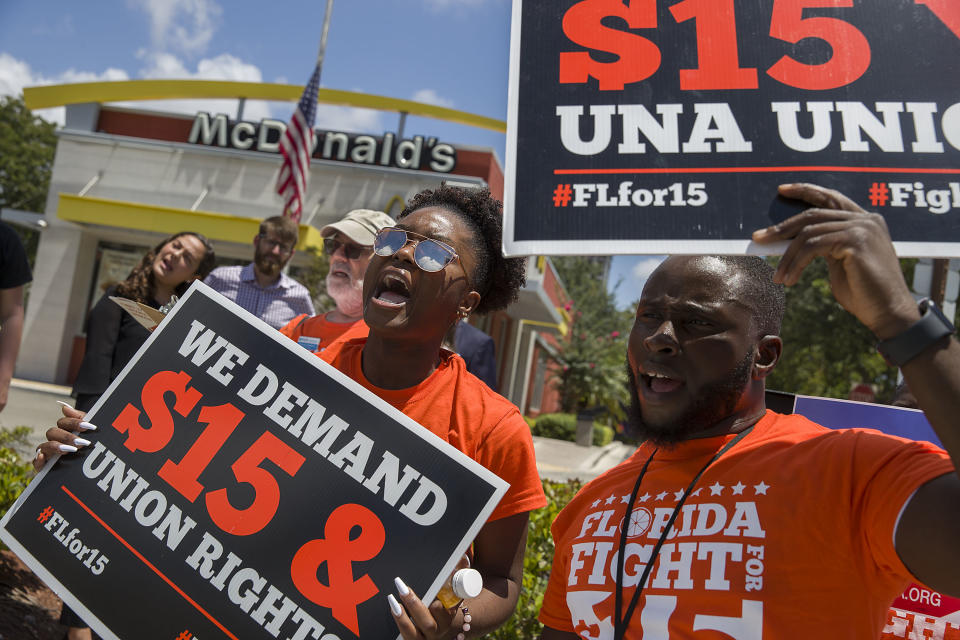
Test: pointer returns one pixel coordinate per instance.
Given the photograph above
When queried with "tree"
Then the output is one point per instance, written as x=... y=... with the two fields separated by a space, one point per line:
x=593 y=350
x=826 y=349
x=27 y=145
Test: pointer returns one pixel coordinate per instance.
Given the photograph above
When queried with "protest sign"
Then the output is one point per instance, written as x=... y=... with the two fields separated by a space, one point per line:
x=638 y=126
x=848 y=414
x=920 y=612
x=242 y=488
x=919 y=609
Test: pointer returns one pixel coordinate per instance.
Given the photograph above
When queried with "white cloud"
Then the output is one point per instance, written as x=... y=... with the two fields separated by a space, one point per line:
x=221 y=67
x=159 y=66
x=186 y=26
x=16 y=74
x=430 y=96
x=644 y=267
x=336 y=118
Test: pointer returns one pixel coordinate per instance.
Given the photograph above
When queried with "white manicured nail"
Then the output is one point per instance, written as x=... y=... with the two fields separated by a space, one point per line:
x=67 y=405
x=81 y=442
x=88 y=426
x=401 y=588
x=66 y=448
x=394 y=605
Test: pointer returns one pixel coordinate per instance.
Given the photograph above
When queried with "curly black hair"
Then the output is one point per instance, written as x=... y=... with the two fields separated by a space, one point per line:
x=497 y=279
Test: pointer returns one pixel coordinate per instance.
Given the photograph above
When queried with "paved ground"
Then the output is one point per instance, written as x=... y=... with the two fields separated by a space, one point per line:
x=562 y=460
x=35 y=404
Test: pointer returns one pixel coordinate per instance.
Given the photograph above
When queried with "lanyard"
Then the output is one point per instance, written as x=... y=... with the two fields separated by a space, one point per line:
x=620 y=624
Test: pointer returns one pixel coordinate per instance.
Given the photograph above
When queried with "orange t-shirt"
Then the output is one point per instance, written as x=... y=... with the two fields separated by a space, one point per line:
x=316 y=333
x=788 y=535
x=459 y=408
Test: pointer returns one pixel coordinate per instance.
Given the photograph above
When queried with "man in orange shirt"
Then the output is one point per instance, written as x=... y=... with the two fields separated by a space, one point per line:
x=349 y=245
x=732 y=521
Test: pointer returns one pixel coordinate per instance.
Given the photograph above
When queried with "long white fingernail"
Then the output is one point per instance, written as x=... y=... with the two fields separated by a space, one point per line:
x=66 y=448
x=394 y=605
x=401 y=588
x=88 y=426
x=81 y=442
x=67 y=405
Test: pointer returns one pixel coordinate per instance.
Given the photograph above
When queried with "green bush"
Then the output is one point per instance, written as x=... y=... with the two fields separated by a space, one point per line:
x=563 y=426
x=537 y=563
x=15 y=475
x=602 y=434
x=530 y=421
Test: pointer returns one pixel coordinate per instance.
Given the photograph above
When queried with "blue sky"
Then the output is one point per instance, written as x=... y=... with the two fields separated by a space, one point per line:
x=453 y=53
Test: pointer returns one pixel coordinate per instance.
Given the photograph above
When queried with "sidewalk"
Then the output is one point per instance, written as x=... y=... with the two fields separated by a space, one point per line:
x=562 y=460
x=34 y=404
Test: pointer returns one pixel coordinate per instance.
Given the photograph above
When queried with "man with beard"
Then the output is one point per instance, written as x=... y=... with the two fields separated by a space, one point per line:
x=348 y=244
x=261 y=287
x=737 y=522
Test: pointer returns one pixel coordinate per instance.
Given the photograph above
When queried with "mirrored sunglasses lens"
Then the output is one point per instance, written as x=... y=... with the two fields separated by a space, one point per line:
x=390 y=241
x=431 y=256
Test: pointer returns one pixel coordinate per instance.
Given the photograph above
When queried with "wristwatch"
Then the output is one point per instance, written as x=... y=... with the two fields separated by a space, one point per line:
x=931 y=327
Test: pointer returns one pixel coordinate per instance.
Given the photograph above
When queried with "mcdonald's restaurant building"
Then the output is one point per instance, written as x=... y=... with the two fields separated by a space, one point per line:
x=123 y=179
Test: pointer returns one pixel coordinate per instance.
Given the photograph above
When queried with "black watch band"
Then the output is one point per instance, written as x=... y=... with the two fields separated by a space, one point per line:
x=931 y=327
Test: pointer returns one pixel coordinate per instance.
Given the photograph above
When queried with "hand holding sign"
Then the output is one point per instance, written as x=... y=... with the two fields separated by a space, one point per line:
x=864 y=271
x=628 y=120
x=64 y=437
x=199 y=491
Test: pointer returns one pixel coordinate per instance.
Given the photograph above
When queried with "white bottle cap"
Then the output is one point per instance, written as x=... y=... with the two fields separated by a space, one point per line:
x=467 y=583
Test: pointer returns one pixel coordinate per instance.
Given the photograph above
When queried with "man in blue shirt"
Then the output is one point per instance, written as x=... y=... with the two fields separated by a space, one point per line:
x=261 y=287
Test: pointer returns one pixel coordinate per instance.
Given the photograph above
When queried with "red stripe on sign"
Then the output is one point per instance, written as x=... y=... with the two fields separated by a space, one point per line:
x=560 y=172
x=148 y=563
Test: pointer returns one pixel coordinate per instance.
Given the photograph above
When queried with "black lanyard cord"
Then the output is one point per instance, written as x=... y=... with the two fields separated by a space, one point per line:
x=620 y=624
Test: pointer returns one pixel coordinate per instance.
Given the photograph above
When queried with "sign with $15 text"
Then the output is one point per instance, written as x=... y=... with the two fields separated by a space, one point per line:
x=245 y=489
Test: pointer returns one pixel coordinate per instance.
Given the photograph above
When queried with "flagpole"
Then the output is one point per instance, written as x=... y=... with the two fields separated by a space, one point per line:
x=323 y=34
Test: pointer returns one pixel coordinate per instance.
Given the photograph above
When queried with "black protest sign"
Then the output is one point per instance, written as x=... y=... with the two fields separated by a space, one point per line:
x=638 y=126
x=244 y=489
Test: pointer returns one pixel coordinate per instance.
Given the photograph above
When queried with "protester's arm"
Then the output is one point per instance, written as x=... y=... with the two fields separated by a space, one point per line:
x=11 y=327
x=498 y=556
x=866 y=279
x=550 y=633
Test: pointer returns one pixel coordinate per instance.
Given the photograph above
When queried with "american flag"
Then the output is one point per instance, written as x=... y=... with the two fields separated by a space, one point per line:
x=296 y=145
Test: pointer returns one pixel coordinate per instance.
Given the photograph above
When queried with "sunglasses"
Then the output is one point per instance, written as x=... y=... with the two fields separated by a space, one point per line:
x=350 y=250
x=429 y=254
